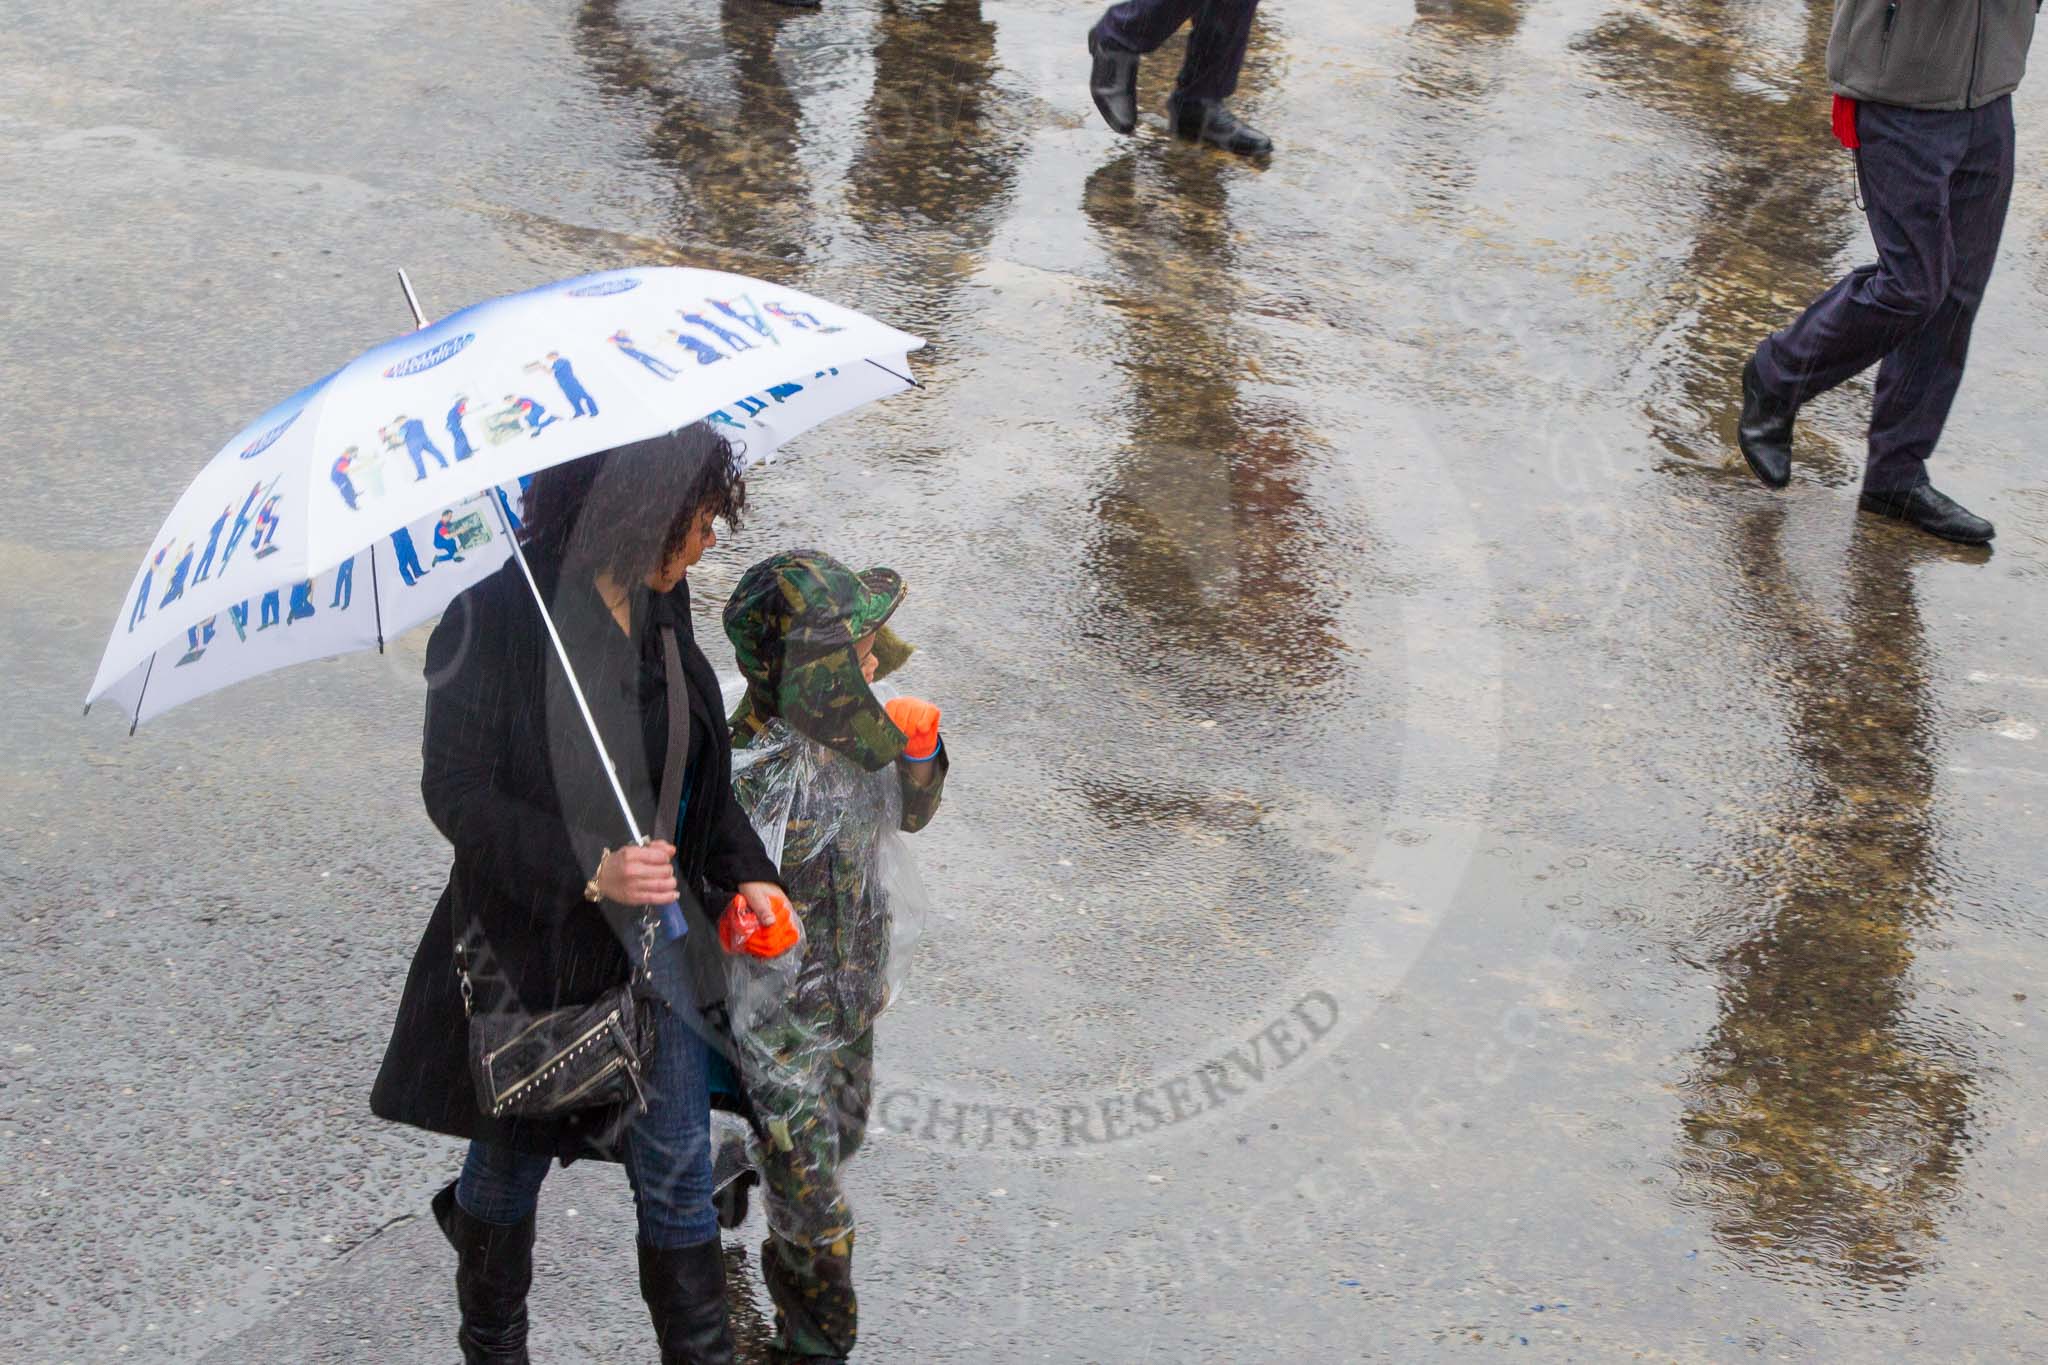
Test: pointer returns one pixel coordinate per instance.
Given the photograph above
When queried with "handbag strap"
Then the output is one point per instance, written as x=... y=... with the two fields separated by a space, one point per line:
x=669 y=806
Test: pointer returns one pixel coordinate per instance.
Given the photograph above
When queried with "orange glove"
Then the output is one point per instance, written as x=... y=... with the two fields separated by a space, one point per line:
x=741 y=932
x=919 y=722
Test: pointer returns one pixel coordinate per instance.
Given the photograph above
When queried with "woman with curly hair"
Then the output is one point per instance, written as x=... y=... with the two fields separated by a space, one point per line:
x=545 y=900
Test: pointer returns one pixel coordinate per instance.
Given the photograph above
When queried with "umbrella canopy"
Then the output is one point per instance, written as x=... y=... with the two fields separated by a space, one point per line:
x=361 y=505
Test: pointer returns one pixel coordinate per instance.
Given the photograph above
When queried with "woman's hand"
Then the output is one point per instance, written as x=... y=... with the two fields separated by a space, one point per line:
x=766 y=900
x=635 y=875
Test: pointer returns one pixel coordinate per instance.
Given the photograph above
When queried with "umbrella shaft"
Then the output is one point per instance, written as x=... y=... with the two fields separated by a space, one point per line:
x=604 y=757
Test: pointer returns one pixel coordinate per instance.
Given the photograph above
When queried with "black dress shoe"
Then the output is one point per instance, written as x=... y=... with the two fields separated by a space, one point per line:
x=1765 y=431
x=1208 y=121
x=1114 y=83
x=1934 y=512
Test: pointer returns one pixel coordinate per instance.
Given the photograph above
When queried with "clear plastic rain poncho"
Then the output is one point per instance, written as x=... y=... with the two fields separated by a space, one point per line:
x=837 y=834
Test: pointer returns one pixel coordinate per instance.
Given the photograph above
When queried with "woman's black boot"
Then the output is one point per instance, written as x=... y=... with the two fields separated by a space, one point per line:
x=493 y=1271
x=685 y=1293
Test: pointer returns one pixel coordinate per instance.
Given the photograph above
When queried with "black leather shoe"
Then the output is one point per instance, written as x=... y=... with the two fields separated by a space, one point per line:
x=685 y=1293
x=1765 y=431
x=493 y=1271
x=1114 y=83
x=1926 y=509
x=1208 y=121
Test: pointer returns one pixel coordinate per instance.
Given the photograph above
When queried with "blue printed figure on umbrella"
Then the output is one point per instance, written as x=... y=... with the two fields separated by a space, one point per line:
x=344 y=584
x=463 y=449
x=238 y=617
x=343 y=464
x=197 y=638
x=532 y=413
x=267 y=518
x=706 y=353
x=581 y=404
x=142 y=594
x=754 y=405
x=413 y=432
x=177 y=588
x=272 y=602
x=243 y=521
x=444 y=540
x=732 y=339
x=212 y=542
x=660 y=369
x=801 y=320
x=751 y=319
x=302 y=602
x=408 y=557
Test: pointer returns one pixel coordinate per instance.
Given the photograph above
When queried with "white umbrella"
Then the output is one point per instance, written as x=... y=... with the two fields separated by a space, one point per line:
x=361 y=505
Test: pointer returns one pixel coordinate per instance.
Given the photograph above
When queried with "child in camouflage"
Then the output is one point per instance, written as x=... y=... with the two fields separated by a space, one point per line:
x=831 y=778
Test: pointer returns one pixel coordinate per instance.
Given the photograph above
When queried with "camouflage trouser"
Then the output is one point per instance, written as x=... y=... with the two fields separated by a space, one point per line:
x=813 y=1099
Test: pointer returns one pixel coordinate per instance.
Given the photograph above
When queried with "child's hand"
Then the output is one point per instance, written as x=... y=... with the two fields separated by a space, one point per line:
x=919 y=721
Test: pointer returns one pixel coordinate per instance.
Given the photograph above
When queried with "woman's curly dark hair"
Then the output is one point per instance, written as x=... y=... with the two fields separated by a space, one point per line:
x=623 y=512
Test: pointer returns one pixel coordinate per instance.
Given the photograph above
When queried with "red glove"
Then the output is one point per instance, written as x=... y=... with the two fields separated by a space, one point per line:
x=919 y=722
x=742 y=932
x=1843 y=116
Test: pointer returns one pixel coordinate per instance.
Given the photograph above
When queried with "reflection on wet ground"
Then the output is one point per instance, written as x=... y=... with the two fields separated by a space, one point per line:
x=1339 y=575
x=741 y=188
x=1205 y=533
x=1826 y=1122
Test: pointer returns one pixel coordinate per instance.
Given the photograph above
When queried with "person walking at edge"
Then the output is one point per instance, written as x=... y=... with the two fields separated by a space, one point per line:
x=1923 y=95
x=1208 y=76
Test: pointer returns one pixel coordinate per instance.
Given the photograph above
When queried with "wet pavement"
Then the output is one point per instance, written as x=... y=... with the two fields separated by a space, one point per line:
x=1437 y=858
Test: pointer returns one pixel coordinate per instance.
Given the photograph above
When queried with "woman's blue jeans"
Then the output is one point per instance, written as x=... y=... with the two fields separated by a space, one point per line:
x=667 y=1151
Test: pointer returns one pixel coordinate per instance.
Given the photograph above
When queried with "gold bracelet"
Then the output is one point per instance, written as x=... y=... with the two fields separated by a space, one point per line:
x=590 y=891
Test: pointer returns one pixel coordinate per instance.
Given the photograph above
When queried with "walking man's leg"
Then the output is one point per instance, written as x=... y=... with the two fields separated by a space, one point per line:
x=1906 y=161
x=1917 y=382
x=1208 y=76
x=1119 y=38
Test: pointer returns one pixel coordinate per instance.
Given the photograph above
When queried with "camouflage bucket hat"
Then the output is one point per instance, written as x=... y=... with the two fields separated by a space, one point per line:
x=793 y=622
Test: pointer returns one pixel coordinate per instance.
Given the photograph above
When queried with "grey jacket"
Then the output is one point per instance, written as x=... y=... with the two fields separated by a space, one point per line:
x=1930 y=54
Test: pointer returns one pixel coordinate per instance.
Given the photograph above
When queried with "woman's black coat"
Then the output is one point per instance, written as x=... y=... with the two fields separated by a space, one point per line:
x=511 y=777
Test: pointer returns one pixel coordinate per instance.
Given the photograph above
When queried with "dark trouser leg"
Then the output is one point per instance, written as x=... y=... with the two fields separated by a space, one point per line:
x=1223 y=29
x=668 y=1159
x=1907 y=160
x=1142 y=25
x=1917 y=383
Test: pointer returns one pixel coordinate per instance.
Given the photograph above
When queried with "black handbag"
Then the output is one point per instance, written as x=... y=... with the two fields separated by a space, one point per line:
x=579 y=1057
